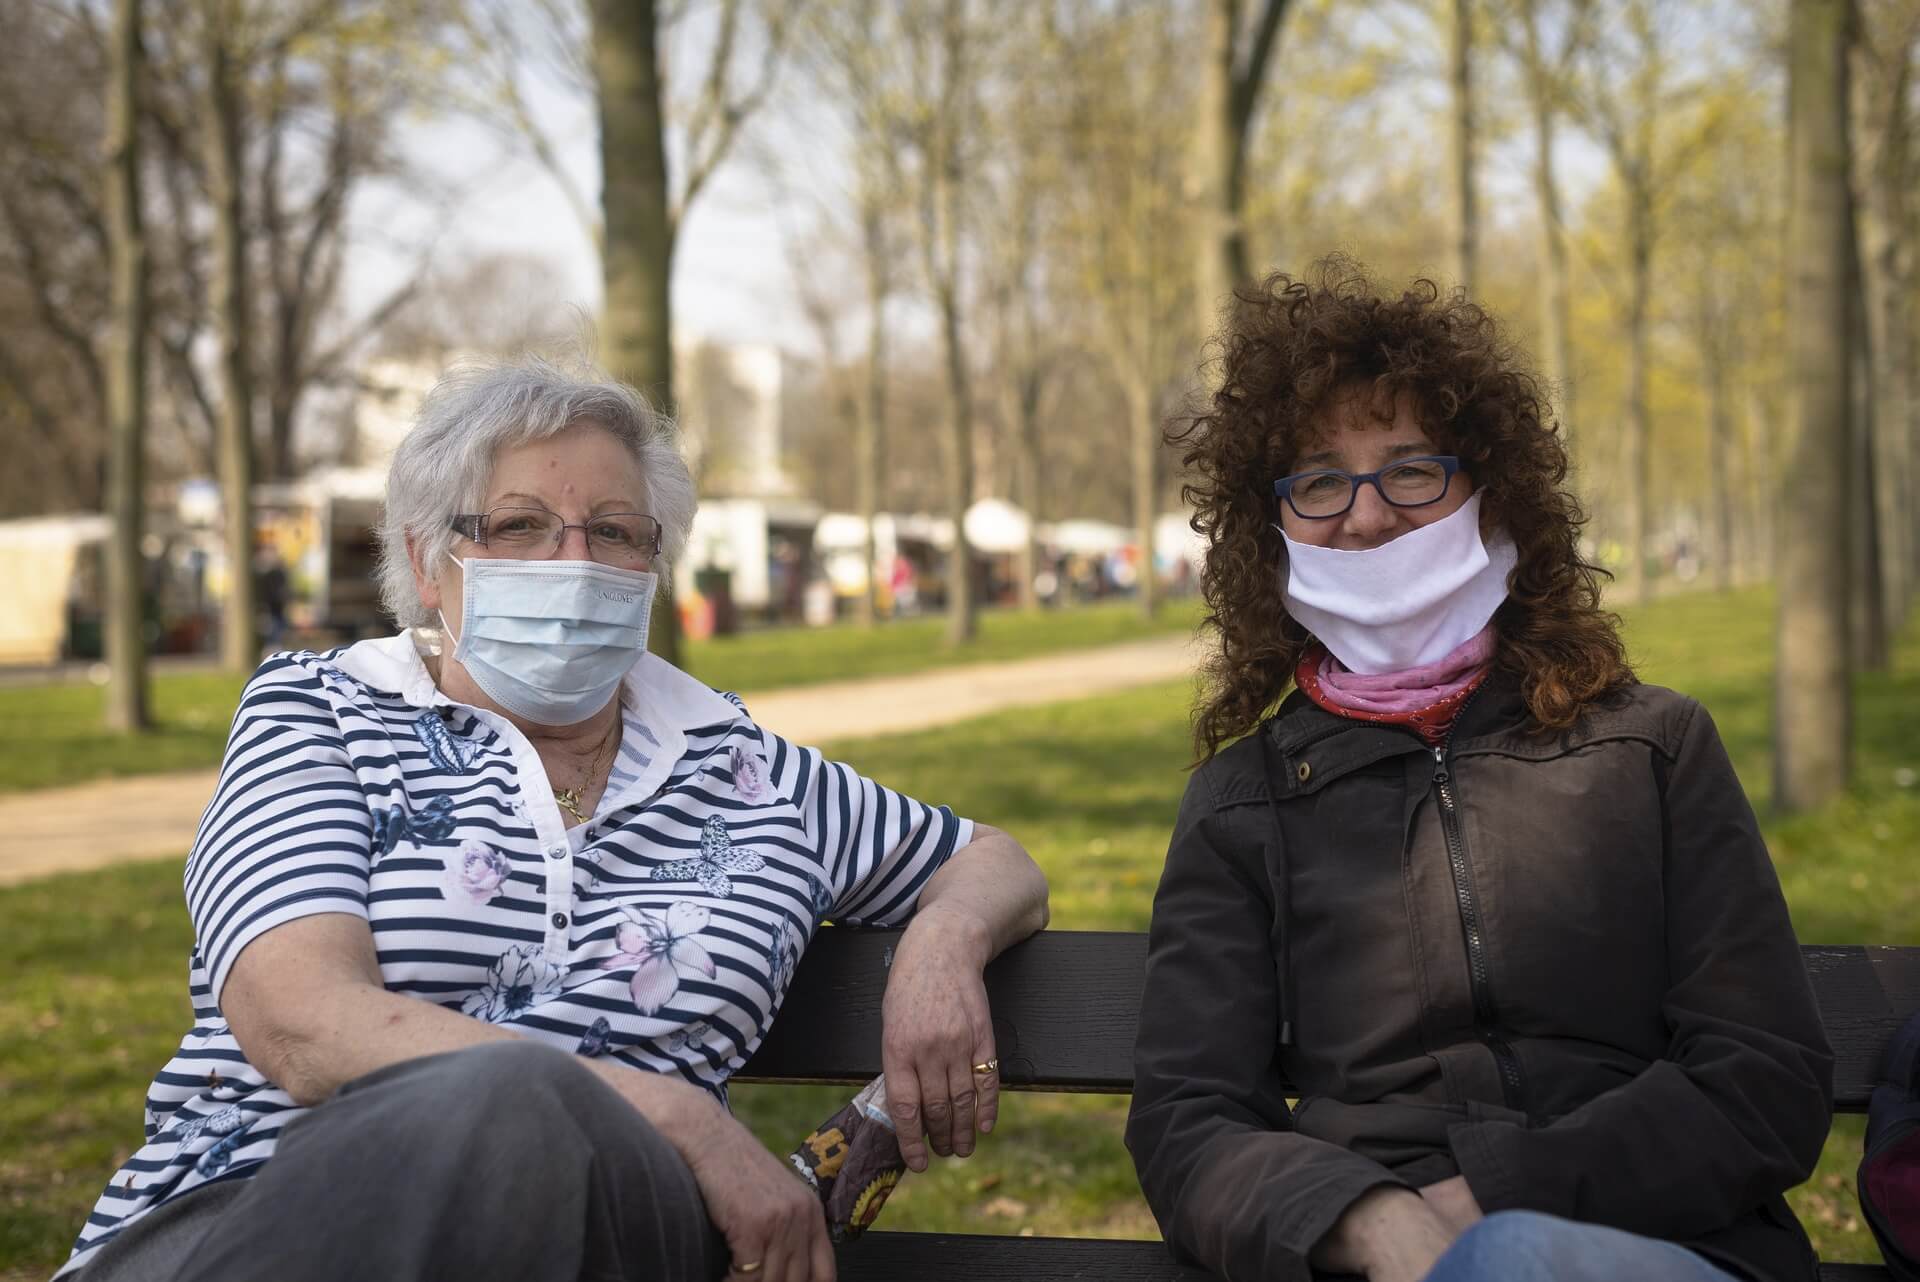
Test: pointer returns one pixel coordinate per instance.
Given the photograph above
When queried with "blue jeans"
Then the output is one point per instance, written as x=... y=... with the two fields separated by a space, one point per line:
x=1546 y=1248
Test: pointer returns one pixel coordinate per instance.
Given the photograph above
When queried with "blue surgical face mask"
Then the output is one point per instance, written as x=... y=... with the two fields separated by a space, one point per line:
x=550 y=641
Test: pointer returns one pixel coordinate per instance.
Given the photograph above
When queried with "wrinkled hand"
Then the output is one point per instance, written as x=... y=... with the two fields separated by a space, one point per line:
x=936 y=1027
x=1454 y=1203
x=1389 y=1234
x=769 y=1217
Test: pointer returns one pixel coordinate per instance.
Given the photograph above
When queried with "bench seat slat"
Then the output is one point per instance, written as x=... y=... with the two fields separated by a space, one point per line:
x=1066 y=1005
x=888 y=1257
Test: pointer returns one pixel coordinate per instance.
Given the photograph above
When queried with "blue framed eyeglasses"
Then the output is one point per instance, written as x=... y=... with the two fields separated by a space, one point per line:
x=1408 y=482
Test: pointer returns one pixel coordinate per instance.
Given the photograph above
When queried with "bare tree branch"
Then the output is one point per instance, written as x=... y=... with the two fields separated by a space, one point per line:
x=720 y=116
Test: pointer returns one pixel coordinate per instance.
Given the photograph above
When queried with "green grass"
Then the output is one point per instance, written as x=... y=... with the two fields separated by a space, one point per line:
x=782 y=657
x=52 y=735
x=95 y=999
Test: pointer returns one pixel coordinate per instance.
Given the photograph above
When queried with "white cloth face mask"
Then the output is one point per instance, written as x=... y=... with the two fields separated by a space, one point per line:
x=550 y=641
x=1406 y=603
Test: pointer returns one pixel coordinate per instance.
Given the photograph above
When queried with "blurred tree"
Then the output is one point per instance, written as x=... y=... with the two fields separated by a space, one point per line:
x=55 y=274
x=1021 y=243
x=1128 y=228
x=938 y=153
x=1812 y=730
x=1882 y=79
x=1867 y=625
x=1724 y=297
x=1546 y=64
x=497 y=303
x=860 y=76
x=126 y=641
x=1237 y=54
x=1649 y=122
x=332 y=71
x=220 y=22
x=640 y=210
x=878 y=245
x=1466 y=219
x=1024 y=352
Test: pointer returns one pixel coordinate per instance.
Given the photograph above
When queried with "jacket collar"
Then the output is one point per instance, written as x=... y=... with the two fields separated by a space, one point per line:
x=1310 y=747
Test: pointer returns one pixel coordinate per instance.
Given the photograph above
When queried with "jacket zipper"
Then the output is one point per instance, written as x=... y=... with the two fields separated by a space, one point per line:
x=1486 y=1014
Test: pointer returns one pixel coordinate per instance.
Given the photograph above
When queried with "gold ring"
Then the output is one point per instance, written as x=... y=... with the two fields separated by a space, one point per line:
x=748 y=1268
x=990 y=1066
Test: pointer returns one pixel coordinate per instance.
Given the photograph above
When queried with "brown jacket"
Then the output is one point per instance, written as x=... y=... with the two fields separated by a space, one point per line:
x=1560 y=966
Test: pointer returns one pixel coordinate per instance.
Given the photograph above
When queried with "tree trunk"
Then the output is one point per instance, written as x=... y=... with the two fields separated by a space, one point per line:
x=1813 y=704
x=239 y=632
x=1556 y=306
x=1720 y=468
x=1146 y=487
x=1466 y=221
x=873 y=407
x=1639 y=478
x=126 y=379
x=1762 y=480
x=1222 y=248
x=637 y=326
x=961 y=622
x=1230 y=91
x=1027 y=454
x=1887 y=244
x=1867 y=622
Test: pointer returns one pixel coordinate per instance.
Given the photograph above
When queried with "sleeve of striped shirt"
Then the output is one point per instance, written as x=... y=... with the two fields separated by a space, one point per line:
x=878 y=846
x=288 y=832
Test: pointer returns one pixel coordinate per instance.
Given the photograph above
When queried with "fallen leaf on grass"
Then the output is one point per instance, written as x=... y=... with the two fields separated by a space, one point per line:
x=1011 y=1208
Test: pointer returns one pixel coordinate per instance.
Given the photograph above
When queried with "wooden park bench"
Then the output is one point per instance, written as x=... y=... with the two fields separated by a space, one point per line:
x=1065 y=1007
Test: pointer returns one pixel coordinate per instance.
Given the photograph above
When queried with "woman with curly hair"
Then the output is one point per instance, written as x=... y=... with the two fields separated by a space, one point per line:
x=1496 y=913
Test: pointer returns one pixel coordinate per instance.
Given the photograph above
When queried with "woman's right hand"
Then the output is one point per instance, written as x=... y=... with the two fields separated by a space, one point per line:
x=773 y=1223
x=1389 y=1234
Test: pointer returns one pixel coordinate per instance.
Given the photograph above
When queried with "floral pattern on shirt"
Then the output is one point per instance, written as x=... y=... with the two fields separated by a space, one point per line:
x=660 y=947
x=749 y=774
x=523 y=977
x=476 y=874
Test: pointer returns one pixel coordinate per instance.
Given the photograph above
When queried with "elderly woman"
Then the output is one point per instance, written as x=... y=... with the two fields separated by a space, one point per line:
x=1495 y=912
x=486 y=913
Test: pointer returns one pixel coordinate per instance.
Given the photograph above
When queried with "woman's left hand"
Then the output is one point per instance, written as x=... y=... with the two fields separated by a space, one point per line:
x=937 y=1029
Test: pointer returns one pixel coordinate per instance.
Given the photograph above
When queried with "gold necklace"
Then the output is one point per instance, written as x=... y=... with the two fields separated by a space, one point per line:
x=569 y=798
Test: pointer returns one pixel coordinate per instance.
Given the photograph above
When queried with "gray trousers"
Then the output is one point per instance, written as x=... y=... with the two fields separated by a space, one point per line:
x=509 y=1161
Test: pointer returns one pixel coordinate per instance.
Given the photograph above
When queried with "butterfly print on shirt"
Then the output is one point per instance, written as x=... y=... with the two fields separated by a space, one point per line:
x=597 y=1038
x=393 y=825
x=447 y=751
x=717 y=859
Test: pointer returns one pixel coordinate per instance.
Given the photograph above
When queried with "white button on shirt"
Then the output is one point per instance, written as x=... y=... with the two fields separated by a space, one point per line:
x=662 y=932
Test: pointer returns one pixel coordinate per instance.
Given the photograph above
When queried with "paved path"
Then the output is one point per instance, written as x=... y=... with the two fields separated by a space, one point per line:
x=154 y=816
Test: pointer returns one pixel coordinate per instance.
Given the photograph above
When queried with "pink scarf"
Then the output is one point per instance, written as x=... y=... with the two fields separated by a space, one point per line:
x=1397 y=694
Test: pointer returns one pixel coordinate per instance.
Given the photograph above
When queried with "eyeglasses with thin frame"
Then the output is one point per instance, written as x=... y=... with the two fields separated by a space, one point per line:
x=622 y=539
x=1326 y=493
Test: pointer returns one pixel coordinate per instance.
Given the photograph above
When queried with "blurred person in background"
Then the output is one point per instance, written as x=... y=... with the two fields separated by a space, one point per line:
x=487 y=912
x=1497 y=914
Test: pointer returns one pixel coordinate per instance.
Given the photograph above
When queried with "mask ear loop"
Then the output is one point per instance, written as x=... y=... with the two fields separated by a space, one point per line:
x=445 y=630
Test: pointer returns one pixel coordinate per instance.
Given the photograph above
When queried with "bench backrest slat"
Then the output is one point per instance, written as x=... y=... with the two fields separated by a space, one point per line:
x=1066 y=1004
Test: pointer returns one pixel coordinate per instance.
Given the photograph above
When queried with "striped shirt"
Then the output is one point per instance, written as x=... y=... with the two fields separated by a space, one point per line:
x=662 y=932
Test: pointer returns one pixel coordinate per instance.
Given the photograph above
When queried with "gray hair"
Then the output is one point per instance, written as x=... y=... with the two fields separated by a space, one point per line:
x=444 y=463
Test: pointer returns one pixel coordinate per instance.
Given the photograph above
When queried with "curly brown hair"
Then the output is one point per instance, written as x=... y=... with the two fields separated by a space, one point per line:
x=1290 y=348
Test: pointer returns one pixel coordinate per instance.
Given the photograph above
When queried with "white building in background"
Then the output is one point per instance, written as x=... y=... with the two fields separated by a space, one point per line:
x=734 y=406
x=754 y=526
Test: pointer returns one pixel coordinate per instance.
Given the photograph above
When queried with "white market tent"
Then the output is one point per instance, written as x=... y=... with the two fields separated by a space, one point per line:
x=1086 y=538
x=37 y=560
x=996 y=526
